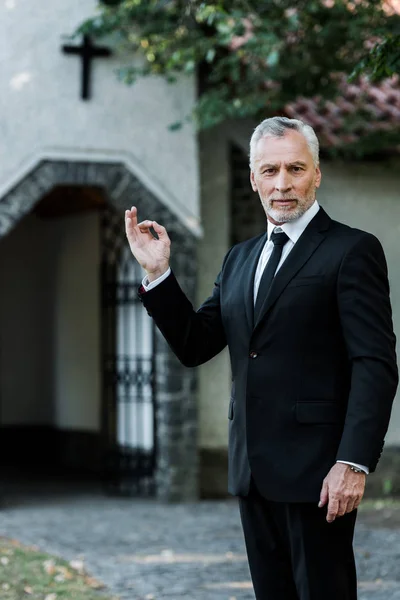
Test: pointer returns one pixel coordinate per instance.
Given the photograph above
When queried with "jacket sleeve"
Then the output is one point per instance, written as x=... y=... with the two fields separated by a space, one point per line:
x=194 y=336
x=366 y=318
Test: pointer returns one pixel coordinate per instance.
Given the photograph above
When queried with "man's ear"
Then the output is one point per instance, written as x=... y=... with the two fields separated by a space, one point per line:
x=253 y=181
x=318 y=177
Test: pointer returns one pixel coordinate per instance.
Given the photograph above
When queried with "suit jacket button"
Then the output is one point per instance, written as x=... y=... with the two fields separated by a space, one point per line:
x=253 y=354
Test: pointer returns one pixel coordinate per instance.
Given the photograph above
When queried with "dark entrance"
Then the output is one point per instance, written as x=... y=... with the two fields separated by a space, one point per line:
x=49 y=332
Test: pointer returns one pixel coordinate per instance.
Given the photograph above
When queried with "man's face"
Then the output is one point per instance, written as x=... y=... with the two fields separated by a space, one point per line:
x=284 y=175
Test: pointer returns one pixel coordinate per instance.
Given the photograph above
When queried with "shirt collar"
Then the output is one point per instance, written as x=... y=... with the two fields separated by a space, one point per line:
x=294 y=229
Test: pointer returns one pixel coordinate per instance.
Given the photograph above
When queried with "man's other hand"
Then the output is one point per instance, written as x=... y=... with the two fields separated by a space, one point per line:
x=342 y=490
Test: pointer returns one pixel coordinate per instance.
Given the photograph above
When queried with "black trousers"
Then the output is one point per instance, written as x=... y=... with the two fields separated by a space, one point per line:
x=294 y=554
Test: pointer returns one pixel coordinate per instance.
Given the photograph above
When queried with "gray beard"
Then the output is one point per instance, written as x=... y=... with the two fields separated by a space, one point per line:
x=285 y=216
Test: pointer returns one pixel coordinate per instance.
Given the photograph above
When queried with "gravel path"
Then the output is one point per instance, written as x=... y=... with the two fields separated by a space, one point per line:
x=143 y=550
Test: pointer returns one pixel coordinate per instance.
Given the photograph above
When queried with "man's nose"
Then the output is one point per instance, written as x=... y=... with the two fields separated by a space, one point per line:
x=283 y=182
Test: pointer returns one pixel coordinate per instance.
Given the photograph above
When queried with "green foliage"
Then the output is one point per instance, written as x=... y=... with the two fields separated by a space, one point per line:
x=383 y=60
x=251 y=58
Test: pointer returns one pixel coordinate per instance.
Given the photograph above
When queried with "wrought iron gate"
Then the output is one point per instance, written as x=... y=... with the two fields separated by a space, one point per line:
x=129 y=416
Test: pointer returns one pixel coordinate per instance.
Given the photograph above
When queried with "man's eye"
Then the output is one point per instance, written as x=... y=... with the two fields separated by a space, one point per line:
x=269 y=171
x=297 y=169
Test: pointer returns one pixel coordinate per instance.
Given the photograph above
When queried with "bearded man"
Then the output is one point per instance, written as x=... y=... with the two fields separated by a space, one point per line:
x=304 y=309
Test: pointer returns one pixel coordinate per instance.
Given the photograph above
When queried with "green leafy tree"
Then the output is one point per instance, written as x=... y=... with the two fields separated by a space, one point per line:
x=250 y=57
x=383 y=59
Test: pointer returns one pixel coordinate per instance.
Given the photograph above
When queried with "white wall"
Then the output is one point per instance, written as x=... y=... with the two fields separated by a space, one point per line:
x=41 y=113
x=49 y=319
x=77 y=323
x=26 y=315
x=214 y=376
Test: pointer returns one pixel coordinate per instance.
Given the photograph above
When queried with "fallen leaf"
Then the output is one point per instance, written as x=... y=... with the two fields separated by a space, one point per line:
x=93 y=583
x=28 y=590
x=64 y=572
x=77 y=565
x=49 y=566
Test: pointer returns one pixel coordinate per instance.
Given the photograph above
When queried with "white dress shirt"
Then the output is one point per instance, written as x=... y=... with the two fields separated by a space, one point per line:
x=149 y=285
x=293 y=230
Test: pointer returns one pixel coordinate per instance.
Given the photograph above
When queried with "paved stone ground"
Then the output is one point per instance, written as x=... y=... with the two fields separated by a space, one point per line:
x=143 y=550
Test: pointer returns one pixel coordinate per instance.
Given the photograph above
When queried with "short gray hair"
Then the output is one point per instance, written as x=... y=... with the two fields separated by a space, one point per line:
x=277 y=127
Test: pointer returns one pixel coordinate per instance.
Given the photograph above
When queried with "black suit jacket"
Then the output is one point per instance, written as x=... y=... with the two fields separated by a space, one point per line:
x=314 y=379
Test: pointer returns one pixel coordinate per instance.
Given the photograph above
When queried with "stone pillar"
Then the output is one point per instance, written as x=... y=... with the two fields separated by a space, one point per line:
x=176 y=385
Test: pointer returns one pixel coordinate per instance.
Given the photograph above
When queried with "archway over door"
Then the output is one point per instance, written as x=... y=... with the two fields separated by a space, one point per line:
x=175 y=468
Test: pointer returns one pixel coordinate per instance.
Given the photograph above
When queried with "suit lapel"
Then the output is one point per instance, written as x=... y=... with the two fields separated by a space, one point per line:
x=305 y=246
x=248 y=280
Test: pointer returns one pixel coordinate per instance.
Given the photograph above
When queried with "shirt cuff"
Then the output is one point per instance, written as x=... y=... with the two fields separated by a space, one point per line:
x=149 y=285
x=363 y=467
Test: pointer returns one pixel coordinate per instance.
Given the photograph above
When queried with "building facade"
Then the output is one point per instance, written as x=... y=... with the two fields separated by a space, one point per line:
x=86 y=382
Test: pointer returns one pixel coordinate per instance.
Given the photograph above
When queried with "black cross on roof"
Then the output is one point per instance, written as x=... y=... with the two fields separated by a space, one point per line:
x=88 y=52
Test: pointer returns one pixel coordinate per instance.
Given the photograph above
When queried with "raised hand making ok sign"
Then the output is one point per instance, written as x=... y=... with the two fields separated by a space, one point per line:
x=151 y=253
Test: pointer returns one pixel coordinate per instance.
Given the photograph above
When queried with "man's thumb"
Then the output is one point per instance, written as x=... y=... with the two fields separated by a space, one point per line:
x=324 y=496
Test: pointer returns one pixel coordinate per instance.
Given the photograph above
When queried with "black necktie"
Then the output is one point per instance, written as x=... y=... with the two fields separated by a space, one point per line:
x=279 y=240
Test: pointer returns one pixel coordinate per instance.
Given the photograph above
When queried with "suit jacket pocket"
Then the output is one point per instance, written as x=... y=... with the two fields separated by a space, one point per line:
x=230 y=410
x=318 y=411
x=310 y=280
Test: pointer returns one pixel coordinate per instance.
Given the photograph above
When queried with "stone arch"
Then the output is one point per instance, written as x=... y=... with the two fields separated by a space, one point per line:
x=176 y=434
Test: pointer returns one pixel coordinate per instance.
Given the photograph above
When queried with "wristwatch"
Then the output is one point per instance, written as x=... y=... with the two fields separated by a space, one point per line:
x=357 y=470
